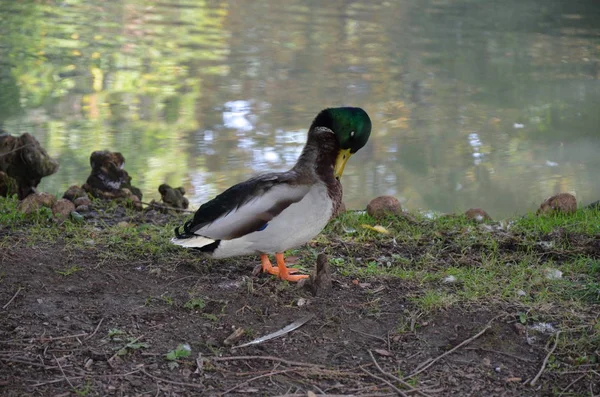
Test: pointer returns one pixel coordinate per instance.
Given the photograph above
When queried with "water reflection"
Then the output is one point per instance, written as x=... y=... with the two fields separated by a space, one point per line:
x=473 y=103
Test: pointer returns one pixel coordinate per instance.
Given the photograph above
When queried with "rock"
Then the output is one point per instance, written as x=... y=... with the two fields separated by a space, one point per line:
x=35 y=201
x=23 y=160
x=8 y=186
x=76 y=216
x=384 y=205
x=564 y=203
x=108 y=180
x=74 y=192
x=82 y=209
x=135 y=202
x=593 y=206
x=319 y=282
x=82 y=201
x=173 y=197
x=477 y=214
x=62 y=209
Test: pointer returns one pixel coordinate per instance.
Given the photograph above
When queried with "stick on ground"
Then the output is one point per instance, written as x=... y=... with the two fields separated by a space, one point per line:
x=13 y=298
x=400 y=392
x=545 y=362
x=466 y=342
x=405 y=384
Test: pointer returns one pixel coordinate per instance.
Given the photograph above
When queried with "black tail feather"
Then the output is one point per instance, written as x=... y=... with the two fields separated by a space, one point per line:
x=186 y=231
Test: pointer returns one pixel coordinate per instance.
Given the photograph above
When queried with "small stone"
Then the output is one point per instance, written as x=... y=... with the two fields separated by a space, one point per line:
x=82 y=201
x=35 y=201
x=384 y=205
x=449 y=279
x=521 y=293
x=76 y=216
x=519 y=328
x=553 y=274
x=301 y=302
x=478 y=215
x=74 y=192
x=234 y=336
x=564 y=203
x=82 y=209
x=62 y=209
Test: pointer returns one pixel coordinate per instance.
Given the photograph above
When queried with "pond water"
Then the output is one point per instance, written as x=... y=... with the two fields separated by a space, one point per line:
x=492 y=104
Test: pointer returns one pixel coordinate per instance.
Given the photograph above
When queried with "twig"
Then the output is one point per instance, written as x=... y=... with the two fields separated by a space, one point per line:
x=51 y=338
x=166 y=207
x=379 y=378
x=124 y=347
x=13 y=298
x=96 y=330
x=405 y=384
x=370 y=335
x=26 y=362
x=179 y=279
x=537 y=377
x=63 y=372
x=197 y=386
x=430 y=363
x=563 y=391
x=501 y=352
x=268 y=358
x=271 y=373
x=15 y=149
x=87 y=376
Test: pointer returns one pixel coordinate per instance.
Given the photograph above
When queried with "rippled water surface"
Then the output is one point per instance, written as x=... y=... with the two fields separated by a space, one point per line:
x=492 y=104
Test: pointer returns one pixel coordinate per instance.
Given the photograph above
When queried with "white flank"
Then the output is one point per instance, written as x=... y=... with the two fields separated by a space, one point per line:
x=226 y=225
x=192 y=242
x=296 y=225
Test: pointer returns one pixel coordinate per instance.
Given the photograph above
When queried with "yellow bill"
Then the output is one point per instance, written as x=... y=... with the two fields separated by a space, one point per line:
x=340 y=162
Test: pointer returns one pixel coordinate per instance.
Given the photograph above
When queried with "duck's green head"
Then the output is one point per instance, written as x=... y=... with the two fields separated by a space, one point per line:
x=351 y=126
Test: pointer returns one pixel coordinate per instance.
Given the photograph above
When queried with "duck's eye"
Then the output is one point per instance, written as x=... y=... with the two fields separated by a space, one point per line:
x=352 y=134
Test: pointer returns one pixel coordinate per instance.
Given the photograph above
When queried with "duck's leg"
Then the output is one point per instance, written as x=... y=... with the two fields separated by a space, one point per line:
x=284 y=272
x=266 y=265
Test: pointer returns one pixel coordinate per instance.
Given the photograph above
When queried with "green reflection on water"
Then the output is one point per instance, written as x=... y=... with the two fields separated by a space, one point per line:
x=474 y=104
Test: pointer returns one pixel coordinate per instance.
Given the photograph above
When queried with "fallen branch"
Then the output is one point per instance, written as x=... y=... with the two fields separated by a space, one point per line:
x=271 y=373
x=172 y=382
x=13 y=297
x=15 y=149
x=267 y=358
x=26 y=362
x=369 y=335
x=166 y=207
x=394 y=377
x=466 y=342
x=63 y=372
x=563 y=391
x=86 y=376
x=545 y=362
x=390 y=384
x=501 y=352
x=96 y=330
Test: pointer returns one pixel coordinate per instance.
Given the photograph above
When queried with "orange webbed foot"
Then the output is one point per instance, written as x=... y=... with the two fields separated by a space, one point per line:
x=285 y=273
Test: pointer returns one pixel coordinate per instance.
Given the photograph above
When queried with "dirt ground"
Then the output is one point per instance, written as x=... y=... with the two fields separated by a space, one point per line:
x=66 y=334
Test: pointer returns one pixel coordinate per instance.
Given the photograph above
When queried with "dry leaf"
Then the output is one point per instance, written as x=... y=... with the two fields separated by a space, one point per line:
x=383 y=352
x=377 y=228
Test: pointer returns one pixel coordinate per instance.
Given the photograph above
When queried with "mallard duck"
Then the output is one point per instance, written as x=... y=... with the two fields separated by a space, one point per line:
x=271 y=213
